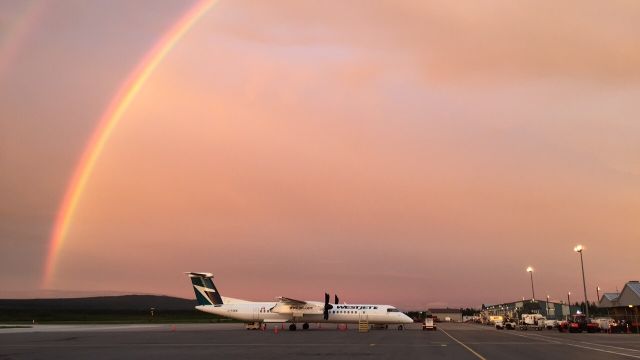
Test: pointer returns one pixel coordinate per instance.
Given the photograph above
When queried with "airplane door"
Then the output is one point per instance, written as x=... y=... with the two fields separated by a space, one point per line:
x=258 y=313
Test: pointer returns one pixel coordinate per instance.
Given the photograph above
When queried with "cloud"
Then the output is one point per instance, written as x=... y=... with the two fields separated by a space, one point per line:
x=461 y=41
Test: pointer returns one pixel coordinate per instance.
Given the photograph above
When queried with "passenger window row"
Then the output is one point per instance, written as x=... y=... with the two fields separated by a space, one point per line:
x=346 y=312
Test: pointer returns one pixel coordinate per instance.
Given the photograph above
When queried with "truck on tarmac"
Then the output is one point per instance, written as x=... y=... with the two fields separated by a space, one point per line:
x=429 y=324
x=509 y=324
x=506 y=324
x=493 y=319
x=532 y=321
x=551 y=324
x=578 y=323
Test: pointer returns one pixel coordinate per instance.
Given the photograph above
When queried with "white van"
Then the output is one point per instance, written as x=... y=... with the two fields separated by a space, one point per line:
x=428 y=324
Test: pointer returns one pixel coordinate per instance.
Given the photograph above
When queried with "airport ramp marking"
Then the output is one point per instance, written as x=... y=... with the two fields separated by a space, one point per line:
x=464 y=346
x=603 y=350
x=598 y=344
x=209 y=345
x=545 y=338
x=507 y=343
x=585 y=342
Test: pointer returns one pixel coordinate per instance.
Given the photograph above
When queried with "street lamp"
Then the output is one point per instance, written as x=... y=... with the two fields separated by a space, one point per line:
x=533 y=293
x=569 y=301
x=598 y=293
x=636 y=316
x=578 y=249
x=547 y=306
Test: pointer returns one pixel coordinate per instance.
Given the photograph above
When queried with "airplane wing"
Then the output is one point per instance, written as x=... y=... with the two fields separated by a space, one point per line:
x=287 y=305
x=289 y=301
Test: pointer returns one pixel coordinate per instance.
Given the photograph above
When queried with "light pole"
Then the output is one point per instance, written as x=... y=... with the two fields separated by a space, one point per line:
x=636 y=316
x=569 y=301
x=547 y=306
x=578 y=249
x=598 y=293
x=533 y=293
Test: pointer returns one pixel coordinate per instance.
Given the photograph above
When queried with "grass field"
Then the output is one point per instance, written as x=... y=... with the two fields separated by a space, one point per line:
x=110 y=317
x=130 y=309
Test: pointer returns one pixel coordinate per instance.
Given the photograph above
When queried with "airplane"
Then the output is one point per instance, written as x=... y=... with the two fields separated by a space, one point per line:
x=287 y=310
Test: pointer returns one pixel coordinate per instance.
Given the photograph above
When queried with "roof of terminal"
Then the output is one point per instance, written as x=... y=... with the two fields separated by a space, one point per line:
x=447 y=311
x=611 y=296
x=635 y=286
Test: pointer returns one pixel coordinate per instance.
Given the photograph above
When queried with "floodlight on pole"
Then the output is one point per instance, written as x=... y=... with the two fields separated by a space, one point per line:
x=533 y=293
x=636 y=316
x=578 y=248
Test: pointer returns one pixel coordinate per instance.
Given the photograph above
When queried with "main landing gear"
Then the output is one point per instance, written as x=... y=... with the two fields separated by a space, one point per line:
x=400 y=327
x=293 y=327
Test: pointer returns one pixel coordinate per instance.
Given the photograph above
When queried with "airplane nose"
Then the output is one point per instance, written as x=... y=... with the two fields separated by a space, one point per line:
x=406 y=319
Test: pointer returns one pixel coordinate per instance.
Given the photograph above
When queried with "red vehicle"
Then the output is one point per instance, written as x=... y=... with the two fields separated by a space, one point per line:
x=579 y=323
x=593 y=327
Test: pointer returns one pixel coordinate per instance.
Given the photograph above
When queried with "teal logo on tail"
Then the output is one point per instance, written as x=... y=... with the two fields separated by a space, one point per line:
x=206 y=292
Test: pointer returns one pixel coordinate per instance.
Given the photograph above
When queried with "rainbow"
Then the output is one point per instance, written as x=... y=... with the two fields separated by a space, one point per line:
x=106 y=125
x=18 y=31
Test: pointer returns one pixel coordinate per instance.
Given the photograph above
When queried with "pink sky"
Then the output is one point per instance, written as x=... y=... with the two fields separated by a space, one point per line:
x=415 y=153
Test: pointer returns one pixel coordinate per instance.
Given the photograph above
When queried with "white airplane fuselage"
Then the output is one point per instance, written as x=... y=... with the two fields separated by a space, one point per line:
x=289 y=310
x=341 y=313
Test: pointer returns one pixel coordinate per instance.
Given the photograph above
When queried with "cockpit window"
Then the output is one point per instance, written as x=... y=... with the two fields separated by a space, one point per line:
x=392 y=310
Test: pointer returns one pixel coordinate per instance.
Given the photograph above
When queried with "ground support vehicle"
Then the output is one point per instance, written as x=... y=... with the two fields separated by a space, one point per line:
x=253 y=325
x=429 y=324
x=532 y=322
x=551 y=324
x=579 y=323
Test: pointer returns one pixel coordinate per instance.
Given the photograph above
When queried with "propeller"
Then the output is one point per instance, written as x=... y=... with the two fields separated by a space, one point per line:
x=327 y=306
x=337 y=302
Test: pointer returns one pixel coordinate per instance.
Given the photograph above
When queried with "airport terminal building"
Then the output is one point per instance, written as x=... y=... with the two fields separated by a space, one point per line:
x=548 y=309
x=623 y=304
x=449 y=315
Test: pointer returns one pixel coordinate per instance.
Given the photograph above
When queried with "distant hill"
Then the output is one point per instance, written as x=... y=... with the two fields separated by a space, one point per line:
x=100 y=303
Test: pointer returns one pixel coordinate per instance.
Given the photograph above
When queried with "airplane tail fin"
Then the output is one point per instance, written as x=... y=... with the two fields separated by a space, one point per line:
x=206 y=292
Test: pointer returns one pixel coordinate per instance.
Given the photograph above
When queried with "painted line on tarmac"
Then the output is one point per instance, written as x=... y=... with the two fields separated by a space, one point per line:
x=506 y=343
x=609 y=346
x=211 y=345
x=464 y=346
x=534 y=336
x=84 y=328
x=589 y=343
x=607 y=351
x=552 y=341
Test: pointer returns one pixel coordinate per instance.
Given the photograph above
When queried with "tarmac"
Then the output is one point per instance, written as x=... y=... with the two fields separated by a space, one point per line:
x=194 y=341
